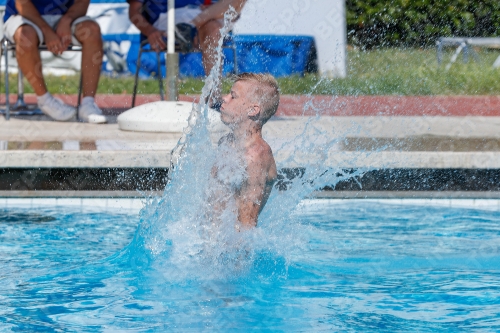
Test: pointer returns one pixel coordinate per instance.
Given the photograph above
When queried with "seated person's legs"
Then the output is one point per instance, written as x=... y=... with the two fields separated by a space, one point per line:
x=207 y=20
x=27 y=40
x=28 y=36
x=208 y=24
x=28 y=57
x=189 y=16
x=185 y=31
x=88 y=34
x=208 y=37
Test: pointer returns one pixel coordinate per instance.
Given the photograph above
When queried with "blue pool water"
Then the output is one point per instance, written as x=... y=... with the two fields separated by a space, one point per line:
x=342 y=266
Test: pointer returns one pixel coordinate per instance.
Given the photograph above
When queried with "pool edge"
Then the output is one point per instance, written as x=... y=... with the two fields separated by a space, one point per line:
x=314 y=195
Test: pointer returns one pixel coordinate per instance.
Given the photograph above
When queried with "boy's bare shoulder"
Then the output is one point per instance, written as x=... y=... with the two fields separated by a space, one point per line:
x=260 y=157
x=259 y=150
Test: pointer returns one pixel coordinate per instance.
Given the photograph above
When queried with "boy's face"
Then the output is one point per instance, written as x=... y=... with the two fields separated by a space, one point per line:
x=236 y=105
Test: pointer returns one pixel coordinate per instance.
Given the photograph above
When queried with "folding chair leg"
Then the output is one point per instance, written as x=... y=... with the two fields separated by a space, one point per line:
x=1 y=53
x=20 y=104
x=79 y=101
x=136 y=76
x=160 y=80
x=7 y=105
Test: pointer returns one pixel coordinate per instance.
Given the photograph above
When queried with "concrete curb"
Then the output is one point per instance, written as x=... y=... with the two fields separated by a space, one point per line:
x=83 y=159
x=161 y=159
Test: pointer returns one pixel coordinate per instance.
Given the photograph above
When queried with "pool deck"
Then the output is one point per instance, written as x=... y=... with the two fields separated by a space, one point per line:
x=373 y=132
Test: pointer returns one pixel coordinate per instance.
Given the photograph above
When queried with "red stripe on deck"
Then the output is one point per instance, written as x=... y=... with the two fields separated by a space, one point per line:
x=390 y=106
x=291 y=105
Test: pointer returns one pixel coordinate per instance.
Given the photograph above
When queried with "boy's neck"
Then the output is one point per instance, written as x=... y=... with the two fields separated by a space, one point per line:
x=244 y=135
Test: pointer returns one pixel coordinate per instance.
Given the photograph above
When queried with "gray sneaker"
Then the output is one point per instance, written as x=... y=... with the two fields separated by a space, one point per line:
x=91 y=113
x=57 y=110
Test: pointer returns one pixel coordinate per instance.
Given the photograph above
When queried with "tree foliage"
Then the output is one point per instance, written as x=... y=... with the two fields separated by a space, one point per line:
x=372 y=23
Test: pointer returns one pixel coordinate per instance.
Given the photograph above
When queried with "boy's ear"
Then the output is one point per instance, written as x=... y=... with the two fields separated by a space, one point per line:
x=254 y=111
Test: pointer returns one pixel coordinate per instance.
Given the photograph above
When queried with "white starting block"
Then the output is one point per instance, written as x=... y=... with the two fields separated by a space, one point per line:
x=164 y=116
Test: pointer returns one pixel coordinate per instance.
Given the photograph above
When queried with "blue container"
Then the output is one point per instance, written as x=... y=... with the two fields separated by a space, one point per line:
x=190 y=64
x=277 y=55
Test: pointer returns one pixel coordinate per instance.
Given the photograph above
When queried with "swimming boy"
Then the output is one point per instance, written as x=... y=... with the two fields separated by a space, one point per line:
x=253 y=99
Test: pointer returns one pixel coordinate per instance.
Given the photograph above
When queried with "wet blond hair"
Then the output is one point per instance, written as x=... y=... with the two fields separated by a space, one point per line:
x=266 y=93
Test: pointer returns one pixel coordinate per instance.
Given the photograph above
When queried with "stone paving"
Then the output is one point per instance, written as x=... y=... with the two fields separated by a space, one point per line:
x=366 y=131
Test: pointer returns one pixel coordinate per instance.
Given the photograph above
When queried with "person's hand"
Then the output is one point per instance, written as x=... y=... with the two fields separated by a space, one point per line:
x=53 y=42
x=156 y=41
x=63 y=30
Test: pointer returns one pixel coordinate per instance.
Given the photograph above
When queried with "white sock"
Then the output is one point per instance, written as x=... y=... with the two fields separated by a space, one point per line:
x=44 y=98
x=87 y=100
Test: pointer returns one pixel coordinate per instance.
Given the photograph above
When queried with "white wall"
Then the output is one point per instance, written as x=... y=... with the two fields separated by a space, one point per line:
x=323 y=19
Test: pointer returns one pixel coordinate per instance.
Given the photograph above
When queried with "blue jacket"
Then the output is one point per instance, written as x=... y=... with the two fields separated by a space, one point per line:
x=45 y=7
x=151 y=9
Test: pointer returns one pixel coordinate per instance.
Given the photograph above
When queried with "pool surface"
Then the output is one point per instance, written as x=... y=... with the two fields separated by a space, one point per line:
x=344 y=266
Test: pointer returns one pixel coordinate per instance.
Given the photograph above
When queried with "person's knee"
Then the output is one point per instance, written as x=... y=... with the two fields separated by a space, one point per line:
x=26 y=37
x=211 y=28
x=209 y=33
x=88 y=31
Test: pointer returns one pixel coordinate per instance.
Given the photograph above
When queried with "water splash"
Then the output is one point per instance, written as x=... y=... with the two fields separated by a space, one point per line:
x=180 y=236
x=209 y=93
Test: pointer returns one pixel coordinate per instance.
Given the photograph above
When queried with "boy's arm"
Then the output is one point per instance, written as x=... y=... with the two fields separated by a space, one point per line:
x=254 y=193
